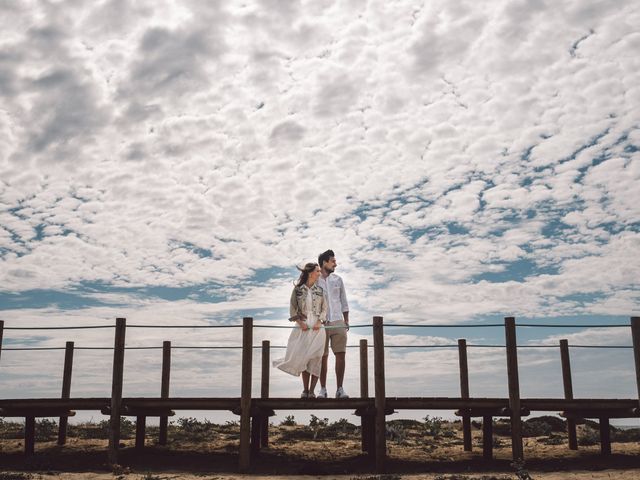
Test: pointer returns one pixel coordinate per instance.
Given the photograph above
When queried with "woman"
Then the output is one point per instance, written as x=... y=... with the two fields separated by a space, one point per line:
x=305 y=347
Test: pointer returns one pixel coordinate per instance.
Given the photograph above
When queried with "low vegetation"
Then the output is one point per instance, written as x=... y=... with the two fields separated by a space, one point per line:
x=548 y=430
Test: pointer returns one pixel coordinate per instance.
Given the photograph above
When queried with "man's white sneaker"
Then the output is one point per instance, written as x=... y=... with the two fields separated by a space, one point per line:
x=304 y=394
x=322 y=393
x=340 y=393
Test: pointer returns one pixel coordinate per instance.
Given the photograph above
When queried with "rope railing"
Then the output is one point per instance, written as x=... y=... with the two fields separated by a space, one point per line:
x=233 y=347
x=365 y=325
x=567 y=325
x=77 y=327
x=175 y=327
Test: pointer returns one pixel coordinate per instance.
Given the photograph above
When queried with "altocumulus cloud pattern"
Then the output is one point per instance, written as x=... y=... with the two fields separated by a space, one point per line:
x=172 y=162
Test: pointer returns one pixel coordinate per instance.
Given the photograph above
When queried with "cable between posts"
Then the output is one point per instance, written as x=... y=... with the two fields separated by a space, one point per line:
x=231 y=347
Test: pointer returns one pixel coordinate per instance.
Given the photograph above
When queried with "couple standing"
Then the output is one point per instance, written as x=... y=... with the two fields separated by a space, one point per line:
x=319 y=298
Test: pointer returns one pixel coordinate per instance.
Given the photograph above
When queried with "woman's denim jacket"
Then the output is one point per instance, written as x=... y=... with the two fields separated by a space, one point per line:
x=298 y=303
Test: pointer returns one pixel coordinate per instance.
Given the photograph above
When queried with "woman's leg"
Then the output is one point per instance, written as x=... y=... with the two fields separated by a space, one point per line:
x=305 y=381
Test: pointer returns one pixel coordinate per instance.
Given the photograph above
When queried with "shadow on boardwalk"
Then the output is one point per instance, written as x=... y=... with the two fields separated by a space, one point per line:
x=319 y=458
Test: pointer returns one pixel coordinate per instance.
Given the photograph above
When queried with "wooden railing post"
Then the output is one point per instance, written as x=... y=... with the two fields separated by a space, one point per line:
x=464 y=392
x=514 y=388
x=116 y=390
x=264 y=391
x=1 y=333
x=164 y=389
x=380 y=395
x=66 y=390
x=487 y=437
x=568 y=392
x=364 y=369
x=367 y=429
x=635 y=335
x=245 y=394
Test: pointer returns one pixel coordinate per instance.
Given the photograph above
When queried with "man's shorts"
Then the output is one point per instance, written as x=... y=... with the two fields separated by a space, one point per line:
x=336 y=336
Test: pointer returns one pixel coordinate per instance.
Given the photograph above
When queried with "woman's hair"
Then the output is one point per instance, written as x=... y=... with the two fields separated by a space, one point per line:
x=304 y=273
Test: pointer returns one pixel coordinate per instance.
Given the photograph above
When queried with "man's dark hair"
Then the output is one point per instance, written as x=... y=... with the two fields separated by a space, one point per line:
x=325 y=257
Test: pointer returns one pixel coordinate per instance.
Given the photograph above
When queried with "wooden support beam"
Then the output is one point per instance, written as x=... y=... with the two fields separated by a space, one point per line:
x=487 y=437
x=605 y=437
x=29 y=435
x=494 y=412
x=464 y=393
x=256 y=427
x=42 y=413
x=164 y=389
x=66 y=390
x=116 y=390
x=264 y=391
x=514 y=388
x=601 y=413
x=245 y=395
x=141 y=424
x=380 y=399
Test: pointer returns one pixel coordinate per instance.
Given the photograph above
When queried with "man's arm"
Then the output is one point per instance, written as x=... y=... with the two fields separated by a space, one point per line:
x=344 y=303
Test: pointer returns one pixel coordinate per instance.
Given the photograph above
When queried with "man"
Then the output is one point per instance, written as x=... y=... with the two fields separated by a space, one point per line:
x=337 y=316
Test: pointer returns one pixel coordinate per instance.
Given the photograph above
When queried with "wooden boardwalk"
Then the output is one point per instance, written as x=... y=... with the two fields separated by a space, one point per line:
x=255 y=411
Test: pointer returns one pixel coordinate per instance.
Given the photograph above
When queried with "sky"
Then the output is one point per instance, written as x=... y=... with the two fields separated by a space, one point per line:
x=171 y=162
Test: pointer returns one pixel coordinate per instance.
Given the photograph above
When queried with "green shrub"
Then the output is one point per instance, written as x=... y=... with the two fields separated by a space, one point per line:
x=190 y=428
x=289 y=421
x=396 y=434
x=11 y=430
x=628 y=435
x=340 y=428
x=432 y=426
x=552 y=439
x=588 y=436
x=543 y=426
x=46 y=430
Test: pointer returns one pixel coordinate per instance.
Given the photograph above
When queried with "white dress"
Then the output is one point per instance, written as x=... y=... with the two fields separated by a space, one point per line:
x=304 y=348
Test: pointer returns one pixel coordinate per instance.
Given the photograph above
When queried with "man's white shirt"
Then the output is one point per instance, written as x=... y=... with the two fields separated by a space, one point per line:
x=335 y=295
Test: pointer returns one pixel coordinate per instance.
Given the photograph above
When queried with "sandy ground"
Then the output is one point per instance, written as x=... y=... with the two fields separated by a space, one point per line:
x=605 y=474
x=292 y=454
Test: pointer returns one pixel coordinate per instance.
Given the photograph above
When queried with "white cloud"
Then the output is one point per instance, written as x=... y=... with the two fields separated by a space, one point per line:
x=430 y=145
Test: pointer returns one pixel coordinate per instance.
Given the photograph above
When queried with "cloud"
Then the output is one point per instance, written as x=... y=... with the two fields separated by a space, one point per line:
x=464 y=161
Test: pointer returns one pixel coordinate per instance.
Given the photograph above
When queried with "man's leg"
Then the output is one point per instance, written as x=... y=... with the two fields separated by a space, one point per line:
x=340 y=362
x=323 y=370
